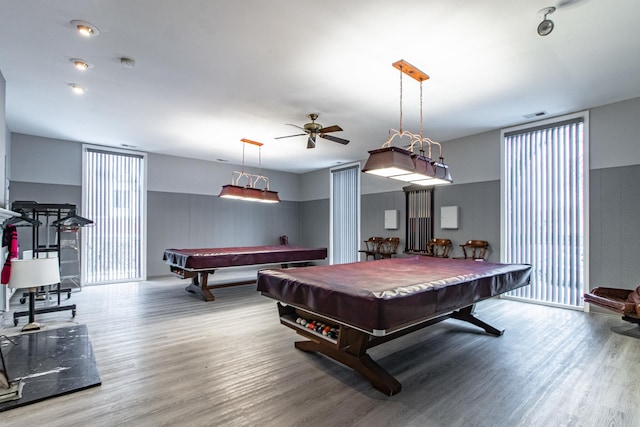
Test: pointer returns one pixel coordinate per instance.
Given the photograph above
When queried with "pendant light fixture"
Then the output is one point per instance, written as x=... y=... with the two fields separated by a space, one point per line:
x=252 y=190
x=403 y=164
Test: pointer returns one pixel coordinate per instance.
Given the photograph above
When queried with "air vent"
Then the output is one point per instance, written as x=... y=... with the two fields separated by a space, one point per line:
x=534 y=115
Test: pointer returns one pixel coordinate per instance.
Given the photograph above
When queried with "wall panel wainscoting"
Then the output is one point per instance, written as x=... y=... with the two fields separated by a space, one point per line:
x=166 y=358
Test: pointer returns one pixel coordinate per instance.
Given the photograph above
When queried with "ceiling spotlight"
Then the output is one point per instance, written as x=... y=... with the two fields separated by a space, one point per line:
x=127 y=62
x=80 y=64
x=546 y=26
x=85 y=29
x=77 y=89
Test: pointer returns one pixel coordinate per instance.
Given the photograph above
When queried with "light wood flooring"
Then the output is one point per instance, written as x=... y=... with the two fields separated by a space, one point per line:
x=167 y=358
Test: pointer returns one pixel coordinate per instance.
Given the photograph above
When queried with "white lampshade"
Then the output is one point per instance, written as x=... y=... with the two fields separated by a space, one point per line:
x=31 y=273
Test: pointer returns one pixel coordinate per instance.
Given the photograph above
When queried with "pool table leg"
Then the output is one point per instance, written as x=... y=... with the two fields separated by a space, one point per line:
x=352 y=352
x=201 y=287
x=466 y=314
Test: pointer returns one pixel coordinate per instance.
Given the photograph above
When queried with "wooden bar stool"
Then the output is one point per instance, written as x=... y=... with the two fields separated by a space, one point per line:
x=372 y=247
x=475 y=249
x=439 y=248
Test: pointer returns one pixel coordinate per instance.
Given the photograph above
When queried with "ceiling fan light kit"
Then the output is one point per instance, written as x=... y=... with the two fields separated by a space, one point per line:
x=250 y=192
x=403 y=164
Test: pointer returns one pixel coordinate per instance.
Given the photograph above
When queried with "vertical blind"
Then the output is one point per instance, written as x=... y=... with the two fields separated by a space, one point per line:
x=544 y=210
x=114 y=191
x=419 y=219
x=345 y=207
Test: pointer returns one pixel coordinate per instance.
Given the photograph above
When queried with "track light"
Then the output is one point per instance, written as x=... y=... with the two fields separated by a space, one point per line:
x=546 y=26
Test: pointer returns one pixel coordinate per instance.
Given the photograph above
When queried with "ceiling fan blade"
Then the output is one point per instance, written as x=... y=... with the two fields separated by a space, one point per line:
x=564 y=3
x=335 y=139
x=295 y=126
x=334 y=128
x=311 y=142
x=289 y=136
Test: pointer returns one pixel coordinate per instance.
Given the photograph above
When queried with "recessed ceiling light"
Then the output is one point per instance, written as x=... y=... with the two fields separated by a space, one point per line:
x=76 y=88
x=127 y=62
x=80 y=64
x=85 y=28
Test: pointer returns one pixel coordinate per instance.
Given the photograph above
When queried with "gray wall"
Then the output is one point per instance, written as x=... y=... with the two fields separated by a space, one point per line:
x=4 y=142
x=613 y=233
x=55 y=161
x=178 y=220
x=372 y=217
x=4 y=139
x=183 y=207
x=614 y=158
x=314 y=224
x=615 y=227
x=478 y=215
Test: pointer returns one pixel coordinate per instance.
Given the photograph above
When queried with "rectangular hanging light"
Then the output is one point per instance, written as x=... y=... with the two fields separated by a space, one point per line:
x=401 y=164
x=390 y=162
x=423 y=169
x=250 y=192
x=440 y=175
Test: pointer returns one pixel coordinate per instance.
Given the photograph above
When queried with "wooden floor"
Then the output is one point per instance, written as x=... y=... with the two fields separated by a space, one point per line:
x=167 y=358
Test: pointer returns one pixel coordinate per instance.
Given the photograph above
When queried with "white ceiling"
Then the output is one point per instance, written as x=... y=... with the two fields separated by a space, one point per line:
x=209 y=73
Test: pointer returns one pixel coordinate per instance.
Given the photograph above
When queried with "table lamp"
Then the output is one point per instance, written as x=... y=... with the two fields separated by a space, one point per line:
x=30 y=274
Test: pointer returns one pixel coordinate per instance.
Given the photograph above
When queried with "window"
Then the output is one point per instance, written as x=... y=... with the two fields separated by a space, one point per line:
x=419 y=218
x=544 y=208
x=114 y=196
x=345 y=214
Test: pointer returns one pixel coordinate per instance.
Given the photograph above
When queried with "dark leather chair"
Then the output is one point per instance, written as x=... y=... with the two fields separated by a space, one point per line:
x=439 y=248
x=475 y=249
x=623 y=301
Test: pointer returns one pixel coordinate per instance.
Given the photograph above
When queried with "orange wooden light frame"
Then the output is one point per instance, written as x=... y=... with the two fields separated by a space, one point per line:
x=410 y=70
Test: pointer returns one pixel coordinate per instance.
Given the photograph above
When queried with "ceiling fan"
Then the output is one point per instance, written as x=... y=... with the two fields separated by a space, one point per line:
x=314 y=129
